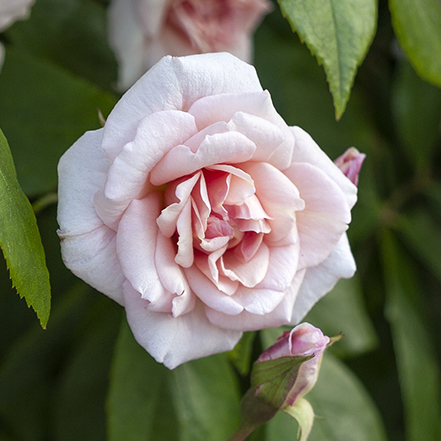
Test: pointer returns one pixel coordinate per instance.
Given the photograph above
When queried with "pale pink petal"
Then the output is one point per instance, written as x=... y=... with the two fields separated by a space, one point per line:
x=175 y=84
x=326 y=214
x=168 y=219
x=136 y=244
x=248 y=273
x=240 y=185
x=245 y=321
x=321 y=279
x=266 y=135
x=278 y=196
x=171 y=340
x=93 y=258
x=258 y=301
x=185 y=254
x=12 y=10
x=224 y=106
x=81 y=173
x=172 y=277
x=195 y=141
x=208 y=266
x=209 y=294
x=157 y=134
x=282 y=267
x=307 y=150
x=229 y=147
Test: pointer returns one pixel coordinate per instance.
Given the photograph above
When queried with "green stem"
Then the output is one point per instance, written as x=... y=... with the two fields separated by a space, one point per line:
x=241 y=433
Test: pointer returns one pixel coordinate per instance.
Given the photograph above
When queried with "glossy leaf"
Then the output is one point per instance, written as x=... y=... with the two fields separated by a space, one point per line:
x=417 y=24
x=20 y=240
x=416 y=361
x=338 y=33
x=196 y=401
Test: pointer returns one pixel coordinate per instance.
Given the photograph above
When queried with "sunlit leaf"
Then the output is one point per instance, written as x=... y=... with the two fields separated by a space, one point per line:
x=416 y=361
x=338 y=33
x=20 y=239
x=417 y=24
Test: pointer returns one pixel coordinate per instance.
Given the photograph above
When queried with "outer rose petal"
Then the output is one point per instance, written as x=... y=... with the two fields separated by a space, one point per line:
x=167 y=338
x=87 y=245
x=321 y=279
x=82 y=172
x=307 y=150
x=175 y=84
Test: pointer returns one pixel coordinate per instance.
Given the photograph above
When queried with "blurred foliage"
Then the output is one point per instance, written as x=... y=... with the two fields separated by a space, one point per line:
x=380 y=382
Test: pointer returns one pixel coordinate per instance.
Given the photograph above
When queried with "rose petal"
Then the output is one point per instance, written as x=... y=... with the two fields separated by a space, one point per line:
x=204 y=288
x=223 y=107
x=172 y=277
x=229 y=147
x=248 y=273
x=82 y=172
x=93 y=257
x=278 y=196
x=136 y=244
x=246 y=321
x=175 y=84
x=174 y=341
x=307 y=150
x=322 y=278
x=326 y=214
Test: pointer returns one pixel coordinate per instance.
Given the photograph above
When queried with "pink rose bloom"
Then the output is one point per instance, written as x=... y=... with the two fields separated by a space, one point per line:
x=198 y=209
x=350 y=163
x=141 y=32
x=10 y=11
x=303 y=340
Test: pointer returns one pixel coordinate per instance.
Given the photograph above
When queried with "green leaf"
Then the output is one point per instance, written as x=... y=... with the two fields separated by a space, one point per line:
x=344 y=411
x=417 y=112
x=343 y=310
x=417 y=364
x=303 y=412
x=338 y=33
x=28 y=369
x=417 y=24
x=422 y=234
x=197 y=401
x=240 y=356
x=20 y=240
x=43 y=110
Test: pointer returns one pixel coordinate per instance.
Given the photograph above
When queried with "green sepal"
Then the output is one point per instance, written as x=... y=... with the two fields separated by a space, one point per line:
x=272 y=380
x=304 y=414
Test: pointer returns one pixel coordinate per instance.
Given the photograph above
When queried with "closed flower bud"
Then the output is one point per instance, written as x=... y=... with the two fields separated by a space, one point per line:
x=350 y=163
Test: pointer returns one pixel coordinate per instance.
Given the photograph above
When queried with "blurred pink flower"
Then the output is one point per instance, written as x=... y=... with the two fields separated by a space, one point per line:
x=350 y=163
x=198 y=209
x=141 y=32
x=303 y=340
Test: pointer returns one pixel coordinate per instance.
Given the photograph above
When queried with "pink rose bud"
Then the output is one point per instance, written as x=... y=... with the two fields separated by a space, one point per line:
x=350 y=163
x=281 y=376
x=303 y=341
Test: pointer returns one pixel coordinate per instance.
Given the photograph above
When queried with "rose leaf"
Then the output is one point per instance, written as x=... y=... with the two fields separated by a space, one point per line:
x=417 y=24
x=20 y=239
x=338 y=33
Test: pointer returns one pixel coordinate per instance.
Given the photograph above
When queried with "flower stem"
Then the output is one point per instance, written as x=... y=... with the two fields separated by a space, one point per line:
x=241 y=433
